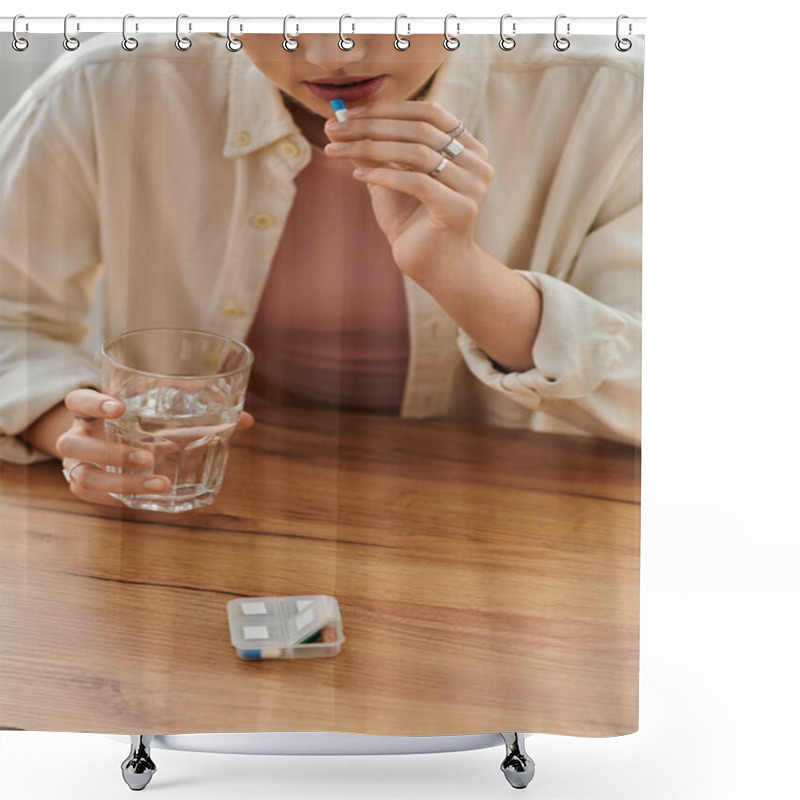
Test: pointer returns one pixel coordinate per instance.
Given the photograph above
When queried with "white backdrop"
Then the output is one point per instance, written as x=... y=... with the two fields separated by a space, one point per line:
x=720 y=600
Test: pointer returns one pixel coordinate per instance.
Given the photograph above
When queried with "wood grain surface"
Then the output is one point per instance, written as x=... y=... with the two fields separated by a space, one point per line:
x=488 y=581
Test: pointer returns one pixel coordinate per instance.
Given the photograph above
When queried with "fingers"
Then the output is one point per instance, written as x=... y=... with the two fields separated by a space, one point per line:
x=96 y=498
x=85 y=442
x=80 y=447
x=418 y=110
x=467 y=175
x=411 y=135
x=246 y=421
x=77 y=487
x=445 y=203
x=89 y=403
x=91 y=481
x=393 y=130
x=98 y=468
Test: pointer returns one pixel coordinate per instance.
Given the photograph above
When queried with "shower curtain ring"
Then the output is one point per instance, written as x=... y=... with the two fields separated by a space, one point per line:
x=507 y=42
x=451 y=42
x=623 y=45
x=182 y=42
x=234 y=45
x=345 y=42
x=561 y=43
x=128 y=42
x=18 y=43
x=70 y=42
x=290 y=44
x=400 y=42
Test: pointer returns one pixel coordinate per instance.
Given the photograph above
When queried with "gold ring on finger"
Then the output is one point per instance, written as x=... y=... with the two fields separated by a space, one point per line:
x=68 y=472
x=452 y=148
x=457 y=131
x=442 y=164
x=85 y=419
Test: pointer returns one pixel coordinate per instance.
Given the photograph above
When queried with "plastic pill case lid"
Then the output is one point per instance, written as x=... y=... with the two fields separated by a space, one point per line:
x=260 y=622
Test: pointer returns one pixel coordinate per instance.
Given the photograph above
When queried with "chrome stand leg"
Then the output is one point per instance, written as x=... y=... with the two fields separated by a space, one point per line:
x=138 y=768
x=517 y=766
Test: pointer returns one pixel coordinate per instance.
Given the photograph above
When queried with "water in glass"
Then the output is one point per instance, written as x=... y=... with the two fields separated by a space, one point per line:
x=187 y=431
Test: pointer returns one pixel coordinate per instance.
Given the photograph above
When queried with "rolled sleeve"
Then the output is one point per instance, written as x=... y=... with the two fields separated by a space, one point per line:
x=587 y=353
x=15 y=451
x=38 y=382
x=586 y=357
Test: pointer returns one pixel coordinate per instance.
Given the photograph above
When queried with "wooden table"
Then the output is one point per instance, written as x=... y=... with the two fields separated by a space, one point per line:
x=488 y=581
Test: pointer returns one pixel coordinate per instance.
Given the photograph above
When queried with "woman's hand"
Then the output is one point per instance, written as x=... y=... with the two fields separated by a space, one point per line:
x=85 y=441
x=428 y=219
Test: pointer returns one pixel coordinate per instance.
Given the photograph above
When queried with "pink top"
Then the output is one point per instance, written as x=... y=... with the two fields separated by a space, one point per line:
x=332 y=326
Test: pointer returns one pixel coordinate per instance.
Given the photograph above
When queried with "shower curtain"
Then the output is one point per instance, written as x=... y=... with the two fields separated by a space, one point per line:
x=442 y=296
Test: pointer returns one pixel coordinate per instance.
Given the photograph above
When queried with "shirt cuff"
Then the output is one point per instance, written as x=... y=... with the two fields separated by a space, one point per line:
x=575 y=348
x=22 y=404
x=15 y=451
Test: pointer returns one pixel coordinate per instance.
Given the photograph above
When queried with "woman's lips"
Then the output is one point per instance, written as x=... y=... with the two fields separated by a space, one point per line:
x=359 y=90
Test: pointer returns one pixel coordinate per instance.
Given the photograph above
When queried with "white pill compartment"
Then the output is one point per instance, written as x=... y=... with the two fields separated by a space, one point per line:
x=304 y=626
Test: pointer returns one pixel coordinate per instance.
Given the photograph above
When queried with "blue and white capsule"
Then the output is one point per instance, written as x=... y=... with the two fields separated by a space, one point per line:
x=340 y=109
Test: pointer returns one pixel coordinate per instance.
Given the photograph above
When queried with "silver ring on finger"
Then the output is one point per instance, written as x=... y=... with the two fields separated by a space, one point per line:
x=442 y=164
x=68 y=472
x=452 y=148
x=457 y=131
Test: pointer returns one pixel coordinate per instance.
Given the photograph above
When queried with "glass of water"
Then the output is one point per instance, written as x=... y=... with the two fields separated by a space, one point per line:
x=183 y=392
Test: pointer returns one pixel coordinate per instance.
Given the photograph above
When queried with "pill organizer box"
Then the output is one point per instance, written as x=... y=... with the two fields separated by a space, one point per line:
x=305 y=626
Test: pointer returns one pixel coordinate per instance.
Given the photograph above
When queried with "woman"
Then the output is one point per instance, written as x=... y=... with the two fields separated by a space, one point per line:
x=368 y=267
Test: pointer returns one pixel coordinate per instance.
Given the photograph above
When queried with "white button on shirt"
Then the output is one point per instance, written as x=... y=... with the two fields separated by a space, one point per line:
x=232 y=310
x=262 y=221
x=573 y=232
x=290 y=149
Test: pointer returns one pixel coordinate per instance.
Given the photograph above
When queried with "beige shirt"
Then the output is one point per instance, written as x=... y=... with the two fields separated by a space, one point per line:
x=173 y=174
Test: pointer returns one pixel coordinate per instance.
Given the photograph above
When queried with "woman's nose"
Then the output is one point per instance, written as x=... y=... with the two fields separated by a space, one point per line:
x=323 y=51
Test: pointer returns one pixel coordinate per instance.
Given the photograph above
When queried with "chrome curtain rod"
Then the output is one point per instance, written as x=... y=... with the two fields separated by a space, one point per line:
x=407 y=26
